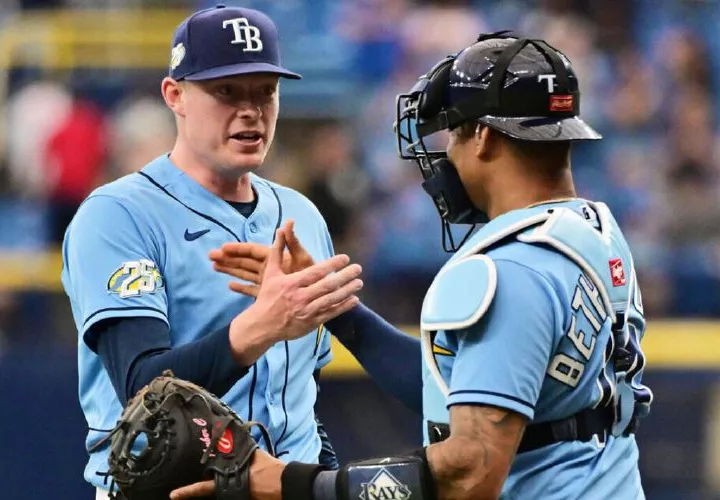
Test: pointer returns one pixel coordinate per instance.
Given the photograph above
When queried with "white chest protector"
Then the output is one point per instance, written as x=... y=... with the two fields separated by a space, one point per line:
x=465 y=287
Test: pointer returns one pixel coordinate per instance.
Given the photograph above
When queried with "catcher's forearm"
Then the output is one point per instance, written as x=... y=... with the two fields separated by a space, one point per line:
x=378 y=345
x=136 y=350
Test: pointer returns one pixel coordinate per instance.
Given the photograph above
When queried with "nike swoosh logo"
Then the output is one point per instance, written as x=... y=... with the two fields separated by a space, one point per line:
x=193 y=236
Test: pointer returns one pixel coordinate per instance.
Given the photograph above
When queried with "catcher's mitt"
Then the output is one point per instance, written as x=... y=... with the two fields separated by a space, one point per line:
x=174 y=433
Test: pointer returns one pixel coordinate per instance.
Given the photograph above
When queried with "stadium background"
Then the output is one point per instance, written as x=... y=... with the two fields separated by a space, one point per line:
x=79 y=97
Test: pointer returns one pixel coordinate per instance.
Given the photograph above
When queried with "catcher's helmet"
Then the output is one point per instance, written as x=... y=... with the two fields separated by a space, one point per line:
x=523 y=88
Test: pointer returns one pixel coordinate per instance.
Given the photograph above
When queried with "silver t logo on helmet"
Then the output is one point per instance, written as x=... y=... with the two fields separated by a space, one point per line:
x=245 y=34
x=550 y=82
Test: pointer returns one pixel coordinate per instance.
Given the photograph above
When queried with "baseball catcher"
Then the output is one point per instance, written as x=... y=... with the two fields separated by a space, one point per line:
x=174 y=433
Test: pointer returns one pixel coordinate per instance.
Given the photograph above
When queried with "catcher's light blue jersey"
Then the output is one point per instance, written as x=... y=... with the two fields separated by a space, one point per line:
x=527 y=316
x=139 y=247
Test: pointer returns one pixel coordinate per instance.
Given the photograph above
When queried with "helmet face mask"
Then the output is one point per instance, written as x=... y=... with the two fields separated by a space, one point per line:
x=522 y=88
x=440 y=179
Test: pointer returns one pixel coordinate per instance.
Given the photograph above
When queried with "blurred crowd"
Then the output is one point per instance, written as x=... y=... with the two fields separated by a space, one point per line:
x=649 y=78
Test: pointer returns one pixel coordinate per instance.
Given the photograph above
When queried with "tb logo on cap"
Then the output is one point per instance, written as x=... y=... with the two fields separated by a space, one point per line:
x=245 y=34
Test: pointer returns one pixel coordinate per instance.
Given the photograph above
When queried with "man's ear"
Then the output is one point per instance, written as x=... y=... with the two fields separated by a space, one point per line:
x=485 y=142
x=174 y=94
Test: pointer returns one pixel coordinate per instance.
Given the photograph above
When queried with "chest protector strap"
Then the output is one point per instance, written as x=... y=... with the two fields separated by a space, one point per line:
x=591 y=423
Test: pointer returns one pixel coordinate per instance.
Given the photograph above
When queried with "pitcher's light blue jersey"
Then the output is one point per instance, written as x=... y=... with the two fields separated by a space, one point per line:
x=139 y=247
x=529 y=315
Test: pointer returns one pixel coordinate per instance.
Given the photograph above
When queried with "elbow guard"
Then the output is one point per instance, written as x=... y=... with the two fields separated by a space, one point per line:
x=398 y=478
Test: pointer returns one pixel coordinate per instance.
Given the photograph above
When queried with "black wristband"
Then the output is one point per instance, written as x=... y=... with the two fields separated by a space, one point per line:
x=420 y=453
x=429 y=485
x=297 y=480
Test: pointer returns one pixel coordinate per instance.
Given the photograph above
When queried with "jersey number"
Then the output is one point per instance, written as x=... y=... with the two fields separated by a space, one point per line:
x=142 y=277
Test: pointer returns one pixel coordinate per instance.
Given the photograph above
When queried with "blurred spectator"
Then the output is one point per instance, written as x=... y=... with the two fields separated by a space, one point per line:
x=34 y=114
x=74 y=159
x=56 y=149
x=434 y=29
x=372 y=26
x=695 y=215
x=685 y=60
x=336 y=184
x=141 y=129
x=692 y=223
x=636 y=99
x=693 y=176
x=612 y=23
x=374 y=133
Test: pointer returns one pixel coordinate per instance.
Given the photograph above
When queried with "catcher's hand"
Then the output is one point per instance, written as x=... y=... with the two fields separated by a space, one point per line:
x=174 y=433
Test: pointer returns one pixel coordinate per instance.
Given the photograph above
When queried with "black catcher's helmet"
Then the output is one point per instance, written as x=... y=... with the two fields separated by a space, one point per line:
x=520 y=87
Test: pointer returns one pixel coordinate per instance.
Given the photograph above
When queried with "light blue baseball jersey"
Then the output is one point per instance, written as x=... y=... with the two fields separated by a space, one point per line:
x=138 y=247
x=526 y=316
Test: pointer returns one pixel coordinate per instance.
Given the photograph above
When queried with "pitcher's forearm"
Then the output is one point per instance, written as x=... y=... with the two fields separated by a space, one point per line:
x=390 y=356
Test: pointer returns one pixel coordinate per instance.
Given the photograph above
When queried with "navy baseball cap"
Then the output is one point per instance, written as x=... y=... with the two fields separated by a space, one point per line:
x=226 y=41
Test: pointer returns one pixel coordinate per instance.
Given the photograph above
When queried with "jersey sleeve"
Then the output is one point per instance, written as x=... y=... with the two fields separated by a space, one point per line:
x=501 y=360
x=324 y=351
x=111 y=268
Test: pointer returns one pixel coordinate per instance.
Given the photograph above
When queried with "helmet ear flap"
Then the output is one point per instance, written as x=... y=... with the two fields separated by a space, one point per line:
x=432 y=99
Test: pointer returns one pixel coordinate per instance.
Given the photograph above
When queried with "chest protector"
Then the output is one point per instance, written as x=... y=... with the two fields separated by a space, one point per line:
x=574 y=236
